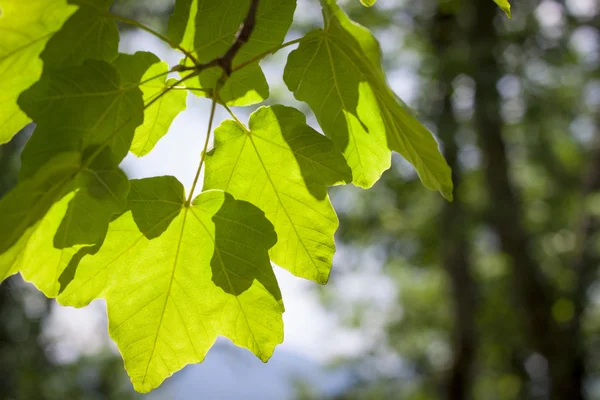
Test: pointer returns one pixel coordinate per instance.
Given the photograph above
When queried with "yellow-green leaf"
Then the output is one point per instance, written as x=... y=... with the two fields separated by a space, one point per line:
x=284 y=167
x=337 y=71
x=207 y=29
x=79 y=107
x=175 y=277
x=24 y=31
x=505 y=6
x=152 y=72
x=90 y=33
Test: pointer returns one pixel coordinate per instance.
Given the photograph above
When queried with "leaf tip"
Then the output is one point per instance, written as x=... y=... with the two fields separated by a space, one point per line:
x=447 y=192
x=505 y=6
x=368 y=3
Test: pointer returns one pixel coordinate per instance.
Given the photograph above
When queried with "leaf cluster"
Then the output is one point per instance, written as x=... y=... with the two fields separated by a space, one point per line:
x=178 y=270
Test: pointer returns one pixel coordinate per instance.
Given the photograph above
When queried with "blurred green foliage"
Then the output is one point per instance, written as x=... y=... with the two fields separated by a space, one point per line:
x=495 y=294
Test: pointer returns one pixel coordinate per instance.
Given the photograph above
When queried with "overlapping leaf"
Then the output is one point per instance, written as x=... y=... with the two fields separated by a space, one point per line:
x=36 y=257
x=284 y=167
x=38 y=237
x=22 y=209
x=76 y=108
x=44 y=229
x=90 y=33
x=207 y=29
x=176 y=276
x=86 y=121
x=152 y=72
x=337 y=71
x=24 y=35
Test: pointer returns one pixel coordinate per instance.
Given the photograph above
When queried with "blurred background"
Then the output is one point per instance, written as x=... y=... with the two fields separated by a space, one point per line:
x=493 y=296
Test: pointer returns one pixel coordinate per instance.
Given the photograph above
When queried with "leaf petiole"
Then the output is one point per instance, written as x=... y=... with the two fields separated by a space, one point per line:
x=151 y=31
x=150 y=79
x=193 y=89
x=264 y=54
x=117 y=130
x=203 y=155
x=236 y=119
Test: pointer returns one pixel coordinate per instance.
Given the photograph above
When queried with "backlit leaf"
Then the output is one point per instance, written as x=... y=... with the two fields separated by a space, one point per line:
x=368 y=3
x=85 y=123
x=35 y=255
x=147 y=68
x=23 y=37
x=210 y=28
x=86 y=198
x=90 y=33
x=79 y=107
x=504 y=5
x=23 y=207
x=283 y=166
x=203 y=281
x=103 y=193
x=337 y=71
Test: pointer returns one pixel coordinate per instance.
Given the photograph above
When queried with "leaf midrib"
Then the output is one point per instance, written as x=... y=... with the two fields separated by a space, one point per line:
x=162 y=314
x=249 y=136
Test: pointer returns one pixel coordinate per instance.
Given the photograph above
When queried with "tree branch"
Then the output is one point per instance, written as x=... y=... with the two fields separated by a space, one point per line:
x=225 y=61
x=242 y=37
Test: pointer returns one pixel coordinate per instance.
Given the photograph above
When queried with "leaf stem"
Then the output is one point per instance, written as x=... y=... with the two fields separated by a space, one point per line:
x=157 y=34
x=151 y=78
x=264 y=54
x=203 y=155
x=124 y=124
x=236 y=119
x=193 y=89
x=101 y=147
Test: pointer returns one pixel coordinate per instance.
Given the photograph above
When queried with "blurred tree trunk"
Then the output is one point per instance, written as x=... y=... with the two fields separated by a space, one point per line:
x=585 y=267
x=454 y=240
x=505 y=213
x=561 y=347
x=455 y=260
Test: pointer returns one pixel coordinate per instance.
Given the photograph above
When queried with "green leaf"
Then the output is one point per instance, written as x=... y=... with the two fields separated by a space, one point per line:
x=337 y=71
x=24 y=35
x=90 y=33
x=103 y=193
x=203 y=281
x=283 y=166
x=35 y=257
x=210 y=28
x=368 y=3
x=148 y=68
x=245 y=87
x=24 y=206
x=86 y=199
x=85 y=123
x=80 y=107
x=505 y=6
